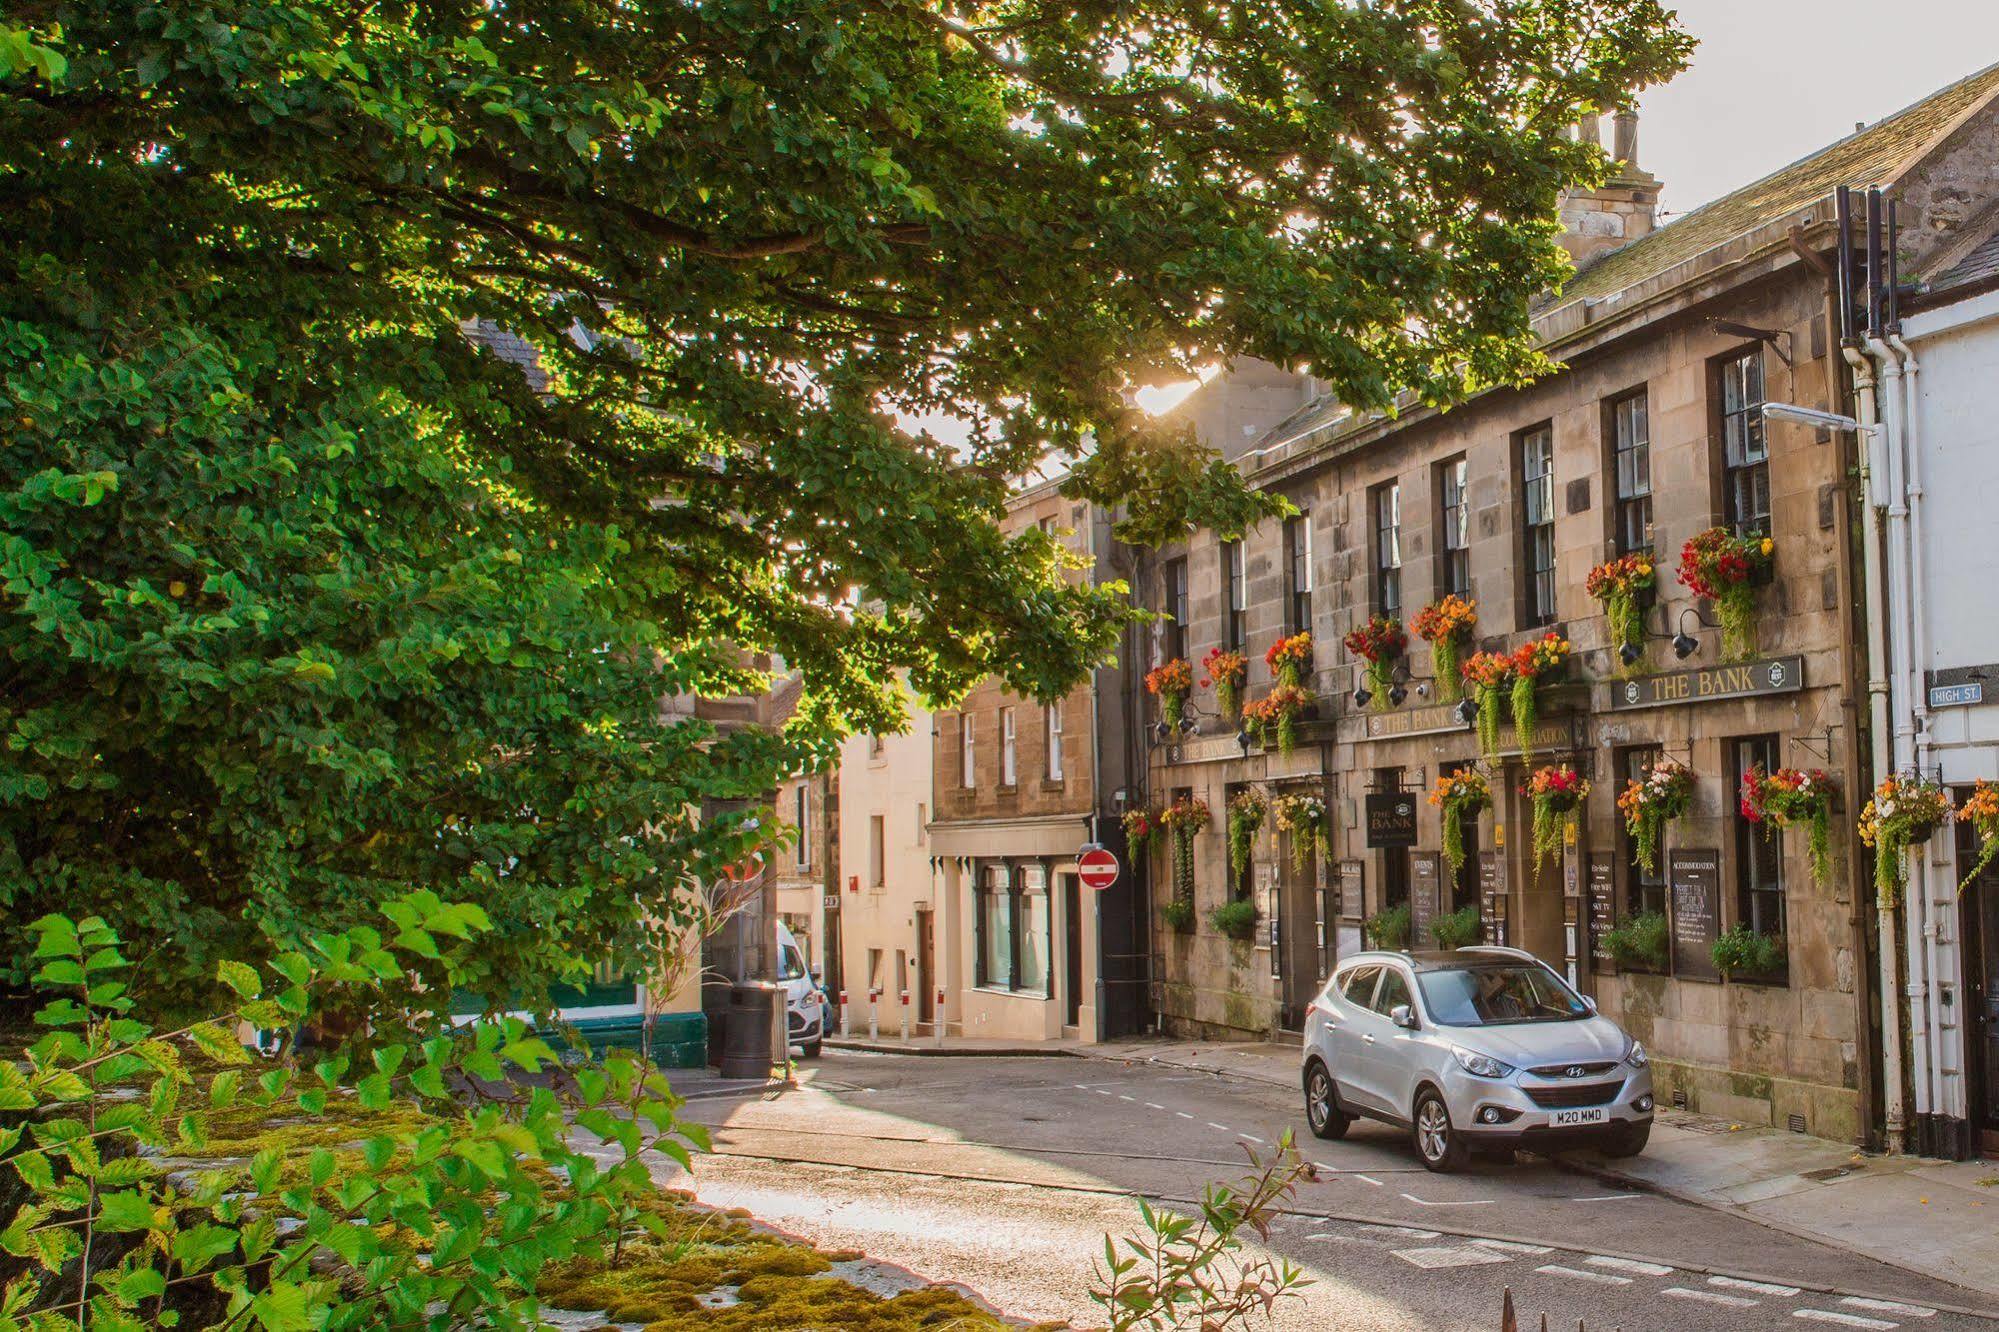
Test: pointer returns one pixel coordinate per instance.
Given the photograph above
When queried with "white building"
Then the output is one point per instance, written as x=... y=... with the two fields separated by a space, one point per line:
x=889 y=930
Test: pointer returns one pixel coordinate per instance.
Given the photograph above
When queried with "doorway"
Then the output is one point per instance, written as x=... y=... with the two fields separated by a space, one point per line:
x=1072 y=950
x=926 y=966
x=1979 y=930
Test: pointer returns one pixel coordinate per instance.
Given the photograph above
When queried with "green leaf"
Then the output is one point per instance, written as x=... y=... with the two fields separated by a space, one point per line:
x=284 y=1307
x=241 y=978
x=127 y=1211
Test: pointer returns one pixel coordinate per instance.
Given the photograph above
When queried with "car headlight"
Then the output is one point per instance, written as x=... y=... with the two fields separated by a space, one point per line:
x=1636 y=1056
x=1478 y=1065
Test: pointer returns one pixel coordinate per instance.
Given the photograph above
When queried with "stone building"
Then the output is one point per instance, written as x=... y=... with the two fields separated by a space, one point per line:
x=1669 y=340
x=1020 y=789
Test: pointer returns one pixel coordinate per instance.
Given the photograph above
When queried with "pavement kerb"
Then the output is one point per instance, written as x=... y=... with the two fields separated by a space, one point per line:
x=957 y=1051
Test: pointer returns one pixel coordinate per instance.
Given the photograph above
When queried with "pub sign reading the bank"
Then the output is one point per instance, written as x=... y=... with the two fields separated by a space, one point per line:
x=1777 y=675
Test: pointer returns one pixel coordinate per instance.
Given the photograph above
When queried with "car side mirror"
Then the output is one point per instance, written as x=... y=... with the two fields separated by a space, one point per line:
x=1403 y=1016
x=1589 y=1003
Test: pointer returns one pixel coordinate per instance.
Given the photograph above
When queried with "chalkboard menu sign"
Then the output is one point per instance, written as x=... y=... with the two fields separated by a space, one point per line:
x=1422 y=898
x=1695 y=876
x=1352 y=905
x=1492 y=895
x=1391 y=819
x=1602 y=905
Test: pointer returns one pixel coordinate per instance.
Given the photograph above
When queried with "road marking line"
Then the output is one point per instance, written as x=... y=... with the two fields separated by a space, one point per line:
x=1100 y=1091
x=1609 y=1197
x=1183 y=1114
x=1474 y=1202
x=1601 y=1278
x=1889 y=1306
x=1411 y=1231
x=1123 y=1097
x=1369 y=1179
x=1844 y=1320
x=1760 y=1287
x=1629 y=1265
x=1252 y=1137
x=1154 y=1105
x=1711 y=1297
x=1223 y=1127
x=1511 y=1246
x=1451 y=1256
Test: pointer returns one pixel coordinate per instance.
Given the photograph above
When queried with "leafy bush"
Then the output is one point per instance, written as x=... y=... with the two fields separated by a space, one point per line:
x=1178 y=914
x=1741 y=951
x=442 y=1213
x=1388 y=929
x=1457 y=928
x=1235 y=919
x=1640 y=941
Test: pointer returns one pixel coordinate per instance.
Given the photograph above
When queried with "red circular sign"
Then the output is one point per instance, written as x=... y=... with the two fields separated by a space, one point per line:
x=1098 y=867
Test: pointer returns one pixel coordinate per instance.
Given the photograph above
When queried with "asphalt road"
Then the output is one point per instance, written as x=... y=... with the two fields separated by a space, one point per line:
x=1004 y=1174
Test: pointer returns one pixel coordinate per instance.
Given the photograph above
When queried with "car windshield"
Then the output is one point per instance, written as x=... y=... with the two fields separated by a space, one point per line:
x=1492 y=994
x=790 y=966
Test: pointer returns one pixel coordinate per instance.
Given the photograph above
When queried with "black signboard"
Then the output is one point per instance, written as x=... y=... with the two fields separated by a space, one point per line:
x=1391 y=819
x=1422 y=898
x=1602 y=904
x=1695 y=877
x=1777 y=675
x=1492 y=895
x=1353 y=905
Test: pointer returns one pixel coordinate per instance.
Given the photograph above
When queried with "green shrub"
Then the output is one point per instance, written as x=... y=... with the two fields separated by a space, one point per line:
x=1741 y=951
x=1641 y=941
x=1178 y=914
x=1457 y=929
x=1388 y=929
x=1235 y=919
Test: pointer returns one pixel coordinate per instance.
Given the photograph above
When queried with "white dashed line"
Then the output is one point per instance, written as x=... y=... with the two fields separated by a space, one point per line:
x=1409 y=1231
x=1889 y=1307
x=1453 y=1256
x=1601 y=1278
x=1123 y=1097
x=1370 y=1179
x=1844 y=1320
x=1711 y=1297
x=1629 y=1265
x=1472 y=1202
x=1609 y=1197
x=1252 y=1137
x=1183 y=1114
x=1100 y=1091
x=1154 y=1105
x=1511 y=1246
x=1760 y=1287
x=1222 y=1127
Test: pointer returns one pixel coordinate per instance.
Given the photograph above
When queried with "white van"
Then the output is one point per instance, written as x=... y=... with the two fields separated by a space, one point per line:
x=806 y=1011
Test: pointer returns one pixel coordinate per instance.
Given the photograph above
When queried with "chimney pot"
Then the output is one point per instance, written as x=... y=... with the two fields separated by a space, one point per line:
x=1626 y=122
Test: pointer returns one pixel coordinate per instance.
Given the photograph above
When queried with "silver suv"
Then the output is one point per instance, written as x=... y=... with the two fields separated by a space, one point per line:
x=1478 y=1049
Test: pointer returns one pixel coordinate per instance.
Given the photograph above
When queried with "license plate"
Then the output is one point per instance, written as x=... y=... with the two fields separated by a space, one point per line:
x=1595 y=1114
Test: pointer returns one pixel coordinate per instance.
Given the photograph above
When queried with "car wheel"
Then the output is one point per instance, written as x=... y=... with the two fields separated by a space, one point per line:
x=1322 y=1106
x=1627 y=1141
x=1442 y=1147
x=810 y=1049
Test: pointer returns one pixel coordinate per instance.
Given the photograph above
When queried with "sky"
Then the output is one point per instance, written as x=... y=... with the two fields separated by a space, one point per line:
x=1774 y=80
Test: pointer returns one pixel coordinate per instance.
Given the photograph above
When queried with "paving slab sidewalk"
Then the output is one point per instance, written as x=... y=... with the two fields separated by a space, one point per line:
x=1938 y=1218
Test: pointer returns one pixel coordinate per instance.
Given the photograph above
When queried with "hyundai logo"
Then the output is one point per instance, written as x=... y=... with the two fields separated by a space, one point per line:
x=1573 y=1071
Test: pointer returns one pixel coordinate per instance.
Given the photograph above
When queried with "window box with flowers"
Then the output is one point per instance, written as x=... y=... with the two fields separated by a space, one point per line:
x=1388 y=929
x=1490 y=675
x=1290 y=660
x=1305 y=820
x=1380 y=643
x=1650 y=803
x=1640 y=942
x=1981 y=811
x=1235 y=920
x=1625 y=586
x=1541 y=662
x=1556 y=793
x=1742 y=954
x=1458 y=795
x=1273 y=719
x=1225 y=671
x=1170 y=684
x=1905 y=812
x=1789 y=797
x=1447 y=626
x=1727 y=569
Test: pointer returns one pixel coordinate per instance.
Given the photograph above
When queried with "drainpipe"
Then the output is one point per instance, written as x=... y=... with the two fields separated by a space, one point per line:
x=1932 y=919
x=1893 y=1095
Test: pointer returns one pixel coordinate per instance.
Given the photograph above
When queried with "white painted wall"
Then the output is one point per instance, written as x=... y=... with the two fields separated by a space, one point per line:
x=894 y=785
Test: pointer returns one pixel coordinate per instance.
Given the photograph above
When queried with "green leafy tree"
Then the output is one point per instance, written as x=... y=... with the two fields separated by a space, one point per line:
x=311 y=598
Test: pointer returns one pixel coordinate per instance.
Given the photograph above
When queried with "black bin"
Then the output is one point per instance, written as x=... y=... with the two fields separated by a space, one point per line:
x=748 y=1032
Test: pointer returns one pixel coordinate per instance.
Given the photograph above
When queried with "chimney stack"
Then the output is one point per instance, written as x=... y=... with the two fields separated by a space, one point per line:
x=1625 y=207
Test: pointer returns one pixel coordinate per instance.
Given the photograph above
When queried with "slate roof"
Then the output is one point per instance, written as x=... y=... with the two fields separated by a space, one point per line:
x=1866 y=157
x=509 y=347
x=1979 y=268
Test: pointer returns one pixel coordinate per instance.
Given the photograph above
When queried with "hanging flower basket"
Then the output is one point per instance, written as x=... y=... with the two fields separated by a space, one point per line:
x=1246 y=814
x=1543 y=659
x=1305 y=820
x=1224 y=672
x=1790 y=797
x=1170 y=684
x=1556 y=793
x=1380 y=643
x=1981 y=811
x=1727 y=569
x=1458 y=794
x=1182 y=820
x=1142 y=831
x=1650 y=802
x=1273 y=719
x=1447 y=626
x=1290 y=660
x=1490 y=675
x=1904 y=812
x=1625 y=586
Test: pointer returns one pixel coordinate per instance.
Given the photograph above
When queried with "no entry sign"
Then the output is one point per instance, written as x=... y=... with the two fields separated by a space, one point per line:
x=1097 y=867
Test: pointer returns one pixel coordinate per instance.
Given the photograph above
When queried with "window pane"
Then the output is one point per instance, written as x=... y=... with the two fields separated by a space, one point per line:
x=1034 y=941
x=996 y=928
